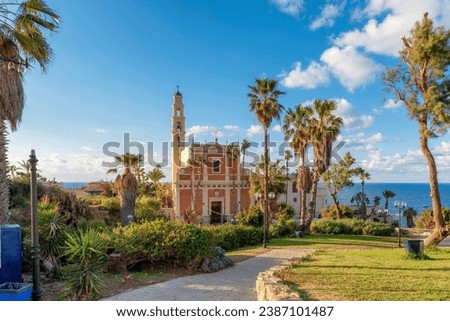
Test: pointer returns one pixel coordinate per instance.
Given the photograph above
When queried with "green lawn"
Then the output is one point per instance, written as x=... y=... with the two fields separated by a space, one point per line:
x=370 y=275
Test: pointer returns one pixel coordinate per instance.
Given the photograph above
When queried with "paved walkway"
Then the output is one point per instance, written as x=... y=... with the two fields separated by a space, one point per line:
x=233 y=284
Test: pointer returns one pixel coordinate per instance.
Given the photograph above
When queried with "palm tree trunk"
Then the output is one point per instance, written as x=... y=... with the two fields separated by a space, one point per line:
x=440 y=231
x=266 y=186
x=312 y=201
x=127 y=186
x=4 y=185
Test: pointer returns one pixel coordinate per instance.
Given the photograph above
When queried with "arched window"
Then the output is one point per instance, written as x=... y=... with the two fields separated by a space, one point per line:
x=216 y=166
x=178 y=127
x=294 y=187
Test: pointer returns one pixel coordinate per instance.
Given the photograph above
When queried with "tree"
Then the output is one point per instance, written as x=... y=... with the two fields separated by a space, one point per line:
x=296 y=129
x=264 y=103
x=244 y=146
x=287 y=157
x=363 y=176
x=196 y=164
x=233 y=151
x=12 y=170
x=338 y=176
x=410 y=213
x=126 y=185
x=22 y=44
x=387 y=194
x=324 y=128
x=421 y=82
x=156 y=175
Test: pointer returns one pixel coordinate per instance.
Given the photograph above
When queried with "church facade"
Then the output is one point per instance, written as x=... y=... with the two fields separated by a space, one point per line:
x=209 y=181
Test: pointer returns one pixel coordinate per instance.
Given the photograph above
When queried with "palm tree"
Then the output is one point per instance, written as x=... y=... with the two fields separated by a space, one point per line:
x=264 y=103
x=22 y=44
x=244 y=146
x=233 y=152
x=126 y=185
x=363 y=176
x=287 y=157
x=324 y=128
x=387 y=194
x=296 y=129
x=156 y=175
x=12 y=170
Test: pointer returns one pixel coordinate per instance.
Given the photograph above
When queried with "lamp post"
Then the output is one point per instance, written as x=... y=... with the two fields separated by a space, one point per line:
x=35 y=257
x=401 y=207
x=258 y=196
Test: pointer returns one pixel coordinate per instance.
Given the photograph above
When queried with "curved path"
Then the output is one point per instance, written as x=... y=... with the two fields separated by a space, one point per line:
x=233 y=284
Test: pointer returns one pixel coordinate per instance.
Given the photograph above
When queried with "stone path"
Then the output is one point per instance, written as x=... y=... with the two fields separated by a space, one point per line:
x=233 y=284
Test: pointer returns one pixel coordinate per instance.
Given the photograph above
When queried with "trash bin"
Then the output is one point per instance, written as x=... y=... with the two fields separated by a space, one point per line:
x=10 y=254
x=414 y=246
x=13 y=291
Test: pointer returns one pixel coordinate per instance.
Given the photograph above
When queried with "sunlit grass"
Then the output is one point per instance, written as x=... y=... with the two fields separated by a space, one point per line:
x=369 y=275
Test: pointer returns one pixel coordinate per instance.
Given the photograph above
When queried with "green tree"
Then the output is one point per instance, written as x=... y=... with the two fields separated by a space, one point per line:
x=156 y=175
x=287 y=157
x=297 y=130
x=363 y=176
x=421 y=82
x=338 y=176
x=264 y=103
x=233 y=152
x=324 y=128
x=22 y=44
x=387 y=194
x=244 y=146
x=126 y=185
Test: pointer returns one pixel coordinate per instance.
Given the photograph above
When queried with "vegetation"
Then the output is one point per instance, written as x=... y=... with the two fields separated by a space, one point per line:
x=351 y=226
x=410 y=213
x=387 y=194
x=22 y=43
x=230 y=237
x=253 y=216
x=282 y=228
x=371 y=275
x=264 y=103
x=426 y=221
x=330 y=212
x=421 y=83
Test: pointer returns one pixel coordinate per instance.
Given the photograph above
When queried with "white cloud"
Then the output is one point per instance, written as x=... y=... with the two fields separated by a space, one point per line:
x=87 y=148
x=398 y=17
x=352 y=68
x=277 y=129
x=254 y=130
x=352 y=120
x=312 y=77
x=327 y=16
x=362 y=142
x=392 y=104
x=378 y=111
x=291 y=7
x=231 y=127
x=198 y=130
x=101 y=131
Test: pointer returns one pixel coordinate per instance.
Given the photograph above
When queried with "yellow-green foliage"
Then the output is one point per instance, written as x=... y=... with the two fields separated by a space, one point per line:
x=425 y=219
x=230 y=237
x=147 y=208
x=351 y=226
x=330 y=212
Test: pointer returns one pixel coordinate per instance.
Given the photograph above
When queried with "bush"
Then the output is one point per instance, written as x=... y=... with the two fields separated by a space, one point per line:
x=230 y=237
x=282 y=228
x=147 y=208
x=86 y=257
x=351 y=226
x=425 y=219
x=253 y=216
x=330 y=212
x=284 y=212
x=159 y=240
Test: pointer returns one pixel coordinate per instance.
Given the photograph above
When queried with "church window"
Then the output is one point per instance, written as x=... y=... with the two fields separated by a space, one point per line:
x=216 y=166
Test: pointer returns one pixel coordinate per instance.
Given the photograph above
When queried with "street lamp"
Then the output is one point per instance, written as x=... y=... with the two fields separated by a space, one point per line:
x=258 y=196
x=401 y=207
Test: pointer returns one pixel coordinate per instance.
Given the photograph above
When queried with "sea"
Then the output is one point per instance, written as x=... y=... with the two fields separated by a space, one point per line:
x=416 y=195
x=74 y=185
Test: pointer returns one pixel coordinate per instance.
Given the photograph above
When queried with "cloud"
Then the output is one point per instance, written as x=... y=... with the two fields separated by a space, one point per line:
x=87 y=148
x=378 y=111
x=312 y=77
x=290 y=7
x=350 y=67
x=233 y=128
x=352 y=120
x=361 y=141
x=392 y=104
x=101 y=131
x=198 y=130
x=395 y=20
x=277 y=129
x=254 y=130
x=327 y=16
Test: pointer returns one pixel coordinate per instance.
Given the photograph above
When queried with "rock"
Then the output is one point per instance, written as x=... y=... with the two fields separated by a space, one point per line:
x=218 y=262
x=117 y=264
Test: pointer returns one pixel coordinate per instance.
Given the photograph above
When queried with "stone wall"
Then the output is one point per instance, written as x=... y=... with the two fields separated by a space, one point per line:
x=271 y=288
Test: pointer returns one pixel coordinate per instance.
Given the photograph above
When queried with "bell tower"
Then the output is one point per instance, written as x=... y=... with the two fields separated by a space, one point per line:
x=178 y=133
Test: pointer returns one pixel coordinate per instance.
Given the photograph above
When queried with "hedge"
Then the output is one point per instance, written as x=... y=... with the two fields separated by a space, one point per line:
x=351 y=226
x=230 y=237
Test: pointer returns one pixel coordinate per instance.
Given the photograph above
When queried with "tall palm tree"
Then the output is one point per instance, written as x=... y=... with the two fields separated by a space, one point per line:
x=22 y=44
x=233 y=151
x=287 y=157
x=126 y=185
x=324 y=128
x=264 y=103
x=12 y=170
x=156 y=175
x=363 y=176
x=244 y=146
x=296 y=129
x=25 y=169
x=387 y=194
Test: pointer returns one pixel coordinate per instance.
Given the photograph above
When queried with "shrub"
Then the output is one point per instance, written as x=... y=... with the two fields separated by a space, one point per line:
x=425 y=219
x=281 y=228
x=231 y=237
x=253 y=216
x=86 y=257
x=161 y=240
x=147 y=208
x=330 y=212
x=284 y=212
x=351 y=226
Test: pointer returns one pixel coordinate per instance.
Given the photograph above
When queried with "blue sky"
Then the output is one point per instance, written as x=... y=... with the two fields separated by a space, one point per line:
x=117 y=65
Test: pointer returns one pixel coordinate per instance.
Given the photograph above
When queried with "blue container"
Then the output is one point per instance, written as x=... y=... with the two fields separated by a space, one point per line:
x=10 y=254
x=12 y=291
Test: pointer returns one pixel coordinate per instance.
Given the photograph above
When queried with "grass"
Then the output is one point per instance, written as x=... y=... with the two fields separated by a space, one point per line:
x=371 y=275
